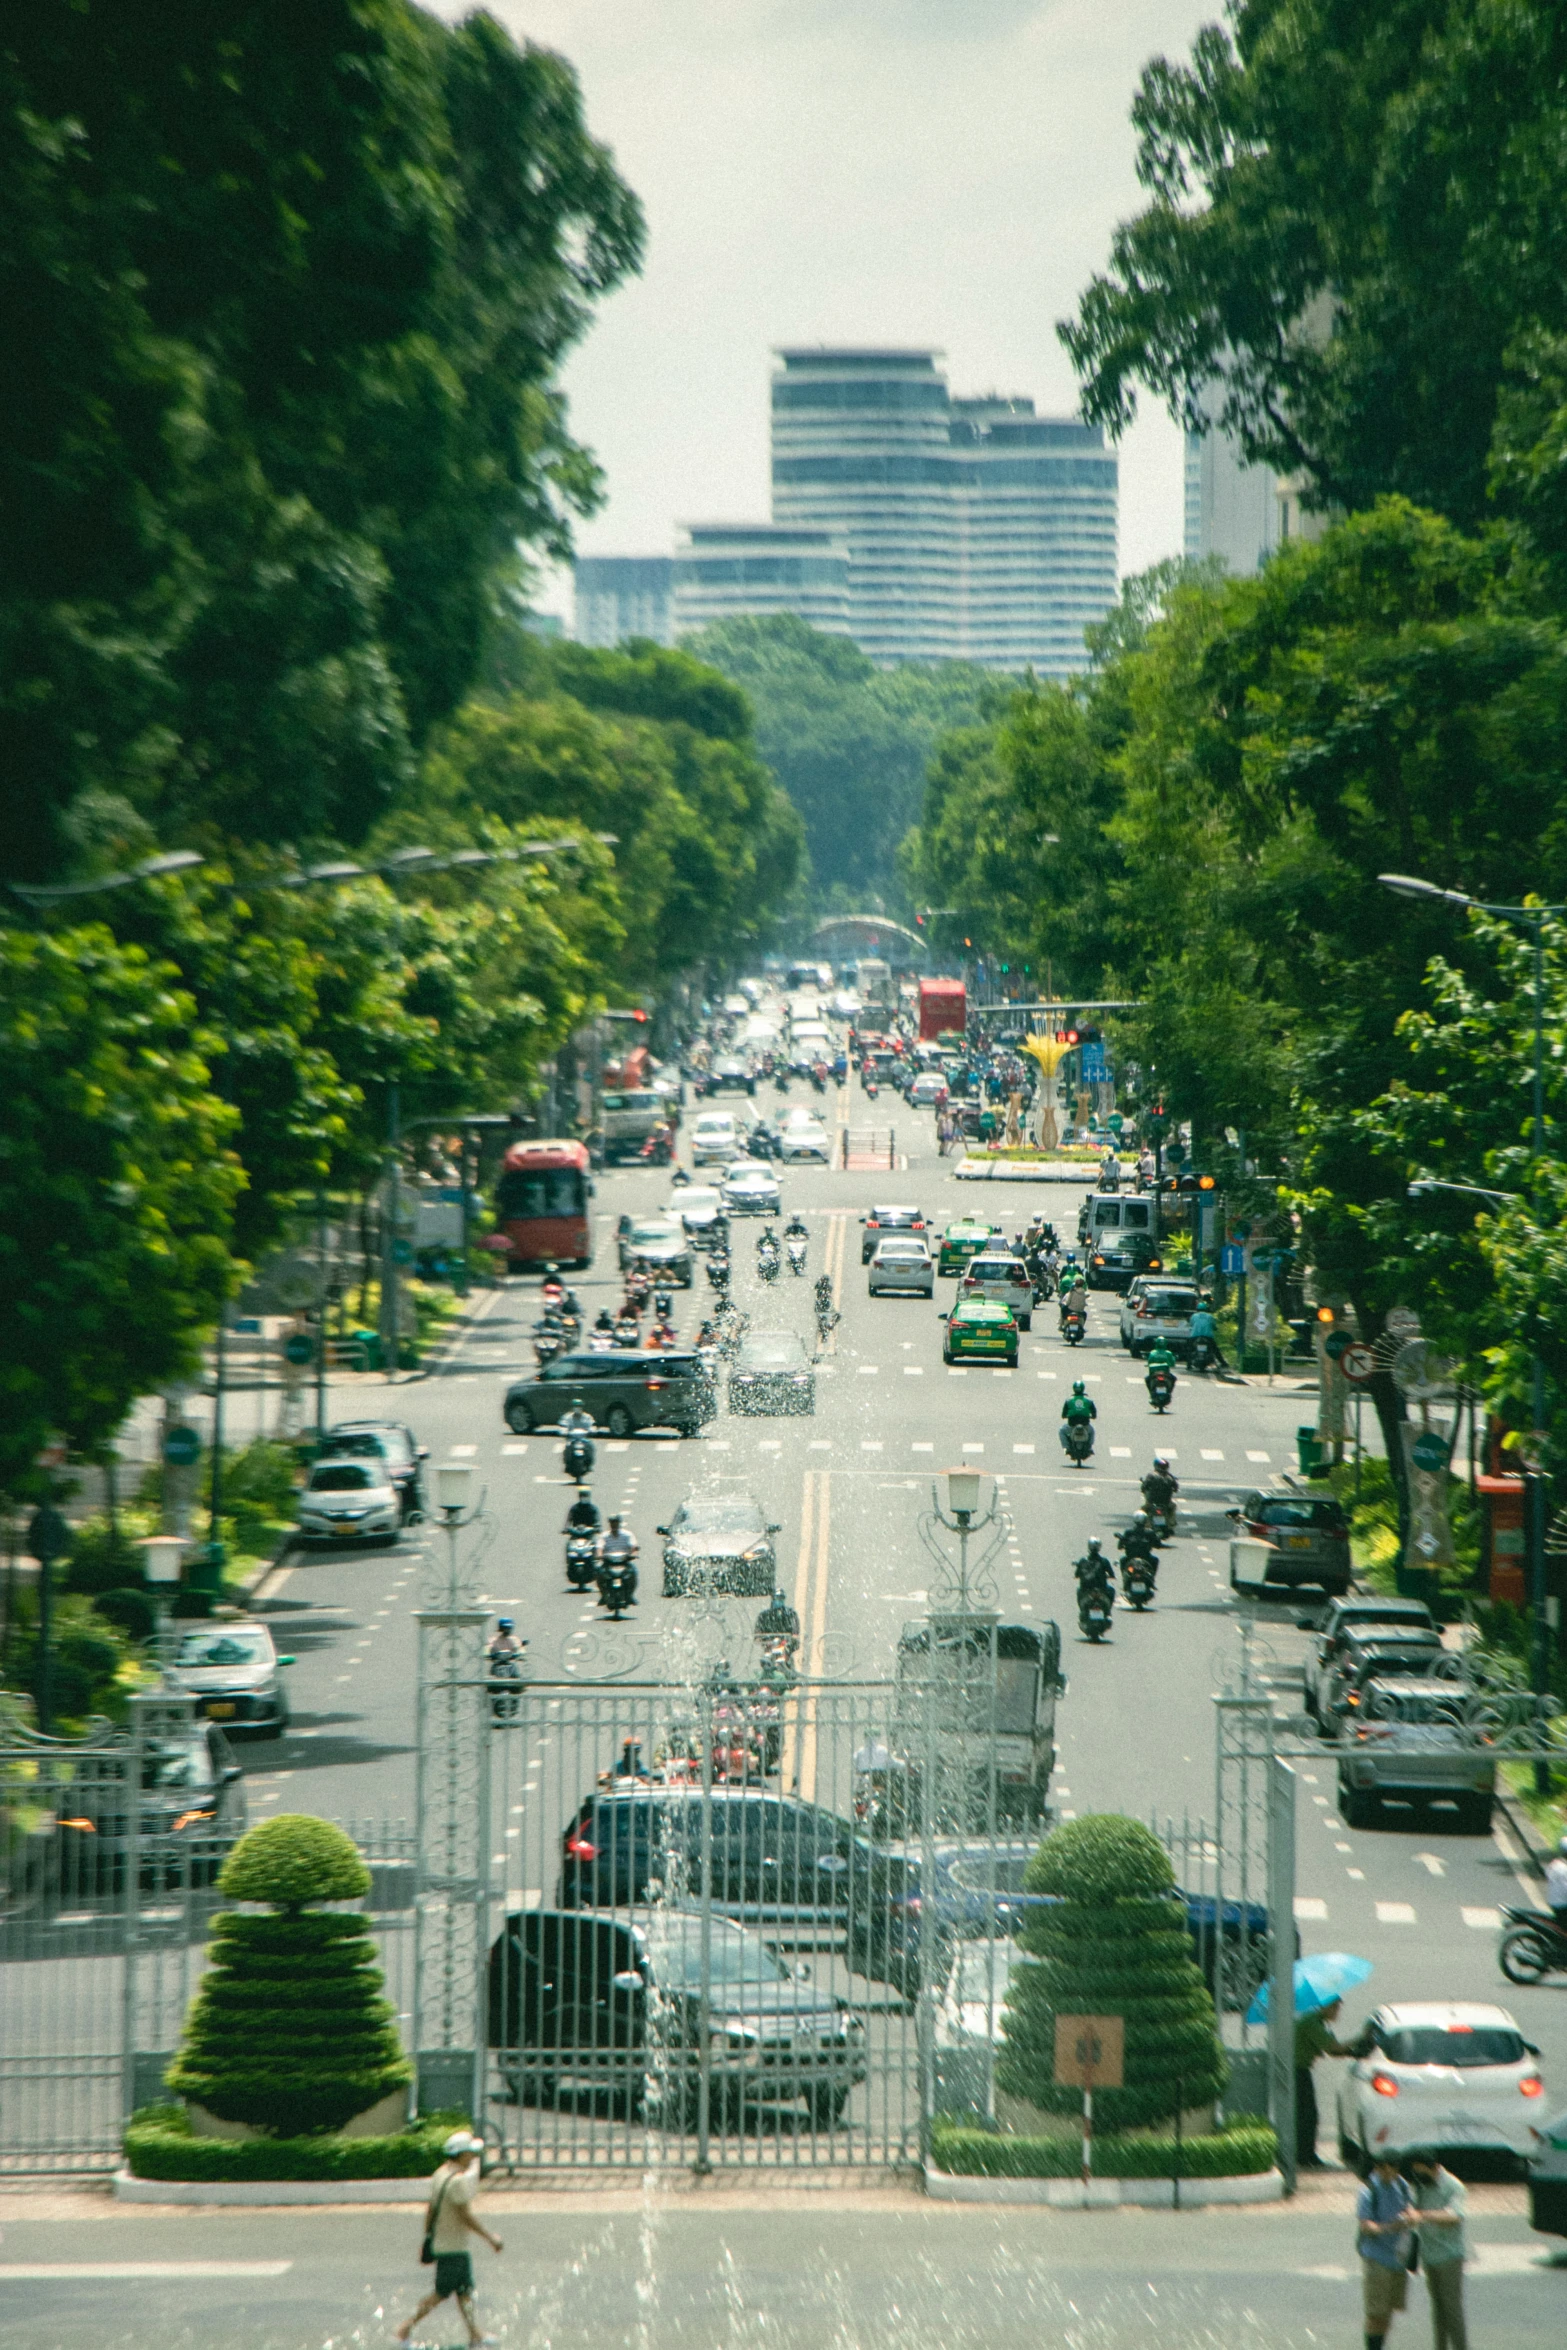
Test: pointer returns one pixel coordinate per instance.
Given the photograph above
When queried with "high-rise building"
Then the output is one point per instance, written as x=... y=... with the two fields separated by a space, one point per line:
x=976 y=529
x=1237 y=511
x=624 y=595
x=725 y=568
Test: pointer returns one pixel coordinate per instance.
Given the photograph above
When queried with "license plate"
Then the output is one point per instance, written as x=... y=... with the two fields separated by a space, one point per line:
x=220 y=1708
x=1297 y=1541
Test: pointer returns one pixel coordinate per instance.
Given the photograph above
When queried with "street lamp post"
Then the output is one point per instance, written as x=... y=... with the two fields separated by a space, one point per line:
x=1530 y=919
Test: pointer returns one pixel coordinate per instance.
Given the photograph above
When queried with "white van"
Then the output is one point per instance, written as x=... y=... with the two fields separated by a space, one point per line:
x=715 y=1137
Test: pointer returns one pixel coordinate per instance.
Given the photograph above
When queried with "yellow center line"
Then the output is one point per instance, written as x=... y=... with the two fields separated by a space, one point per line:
x=802 y=1608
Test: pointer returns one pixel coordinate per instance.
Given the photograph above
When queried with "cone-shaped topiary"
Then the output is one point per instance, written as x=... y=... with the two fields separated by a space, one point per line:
x=1114 y=1943
x=289 y=2030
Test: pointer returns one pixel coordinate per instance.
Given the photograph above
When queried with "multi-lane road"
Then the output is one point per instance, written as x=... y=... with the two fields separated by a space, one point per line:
x=846 y=1486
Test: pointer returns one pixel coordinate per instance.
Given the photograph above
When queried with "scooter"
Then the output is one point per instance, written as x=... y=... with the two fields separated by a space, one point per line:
x=1203 y=1355
x=547 y=1344
x=1533 y=1946
x=796 y=1250
x=505 y=1686
x=617 y=1583
x=1078 y=1441
x=1161 y=1389
x=1093 y=1611
x=767 y=1260
x=718 y=1270
x=577 y=1458
x=581 y=1559
x=1162 y=1514
x=1074 y=1325
x=1137 y=1579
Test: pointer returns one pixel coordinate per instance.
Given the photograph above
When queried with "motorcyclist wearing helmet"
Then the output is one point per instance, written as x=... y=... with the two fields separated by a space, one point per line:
x=1094 y=1569
x=795 y=1229
x=1138 y=1540
x=505 y=1647
x=1078 y=1407
x=1205 y=1327
x=778 y=1620
x=583 y=1516
x=576 y=1421
x=1159 y=1487
x=1160 y=1361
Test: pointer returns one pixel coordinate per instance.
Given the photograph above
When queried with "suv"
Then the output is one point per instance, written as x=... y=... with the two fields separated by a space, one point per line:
x=776 y=1861
x=715 y=1138
x=623 y=1390
x=1307 y=1537
x=599 y=2005
x=1154 y=1309
x=1117 y=1231
x=1365 y=1659
x=772 y=1373
x=719 y=1543
x=1003 y=1279
x=1415 y=1742
x=881 y=1221
x=1394 y=1616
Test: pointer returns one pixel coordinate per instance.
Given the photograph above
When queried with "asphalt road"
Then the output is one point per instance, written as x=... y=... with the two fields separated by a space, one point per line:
x=677 y=2271
x=847 y=1487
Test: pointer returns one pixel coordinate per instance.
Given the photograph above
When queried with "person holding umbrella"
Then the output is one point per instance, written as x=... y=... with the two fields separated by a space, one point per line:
x=1320 y=1984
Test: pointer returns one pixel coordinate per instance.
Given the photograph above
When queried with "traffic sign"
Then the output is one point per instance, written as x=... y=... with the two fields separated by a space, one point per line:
x=181 y=1447
x=1337 y=1344
x=1357 y=1362
x=402 y=1252
x=1429 y=1452
x=1232 y=1258
x=299 y=1347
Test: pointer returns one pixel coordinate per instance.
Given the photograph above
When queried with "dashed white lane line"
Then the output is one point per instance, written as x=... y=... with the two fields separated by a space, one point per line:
x=462 y=1452
x=1395 y=1913
x=1483 y=1920
x=1023 y=1448
x=913 y=1370
x=1430 y=1863
x=973 y=1448
x=1120 y=1452
x=1211 y=1456
x=922 y=1448
x=1264 y=1457
x=513 y=1449
x=1309 y=1908
x=871 y=1444
x=869 y=1370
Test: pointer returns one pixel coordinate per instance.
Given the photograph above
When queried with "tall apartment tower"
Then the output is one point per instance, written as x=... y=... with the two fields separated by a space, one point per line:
x=723 y=569
x=975 y=529
x=624 y=595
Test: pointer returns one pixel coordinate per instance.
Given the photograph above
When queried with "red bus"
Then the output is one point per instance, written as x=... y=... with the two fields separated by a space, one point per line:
x=541 y=1206
x=943 y=1008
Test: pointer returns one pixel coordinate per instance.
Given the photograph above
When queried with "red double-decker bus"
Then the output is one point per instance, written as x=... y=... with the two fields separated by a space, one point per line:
x=541 y=1206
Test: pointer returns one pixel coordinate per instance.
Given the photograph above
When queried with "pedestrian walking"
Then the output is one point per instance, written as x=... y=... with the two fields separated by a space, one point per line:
x=1314 y=2038
x=448 y=2223
x=1442 y=2203
x=1382 y=2212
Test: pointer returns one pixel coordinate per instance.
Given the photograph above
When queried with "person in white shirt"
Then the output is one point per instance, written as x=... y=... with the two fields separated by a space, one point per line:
x=449 y=2221
x=1556 y=1885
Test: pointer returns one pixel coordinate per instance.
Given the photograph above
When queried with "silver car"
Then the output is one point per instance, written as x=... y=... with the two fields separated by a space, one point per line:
x=750 y=1189
x=772 y=1373
x=660 y=1243
x=903 y=1267
x=1003 y=1278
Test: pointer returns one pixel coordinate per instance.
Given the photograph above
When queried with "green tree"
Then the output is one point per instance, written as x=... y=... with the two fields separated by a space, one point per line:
x=1113 y=1942
x=1354 y=217
x=117 y=1185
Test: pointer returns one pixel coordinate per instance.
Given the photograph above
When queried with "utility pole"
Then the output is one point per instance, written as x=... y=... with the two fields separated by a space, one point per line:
x=391 y=1206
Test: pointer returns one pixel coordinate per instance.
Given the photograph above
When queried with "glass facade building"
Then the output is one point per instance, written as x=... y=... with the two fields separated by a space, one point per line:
x=722 y=569
x=617 y=596
x=975 y=529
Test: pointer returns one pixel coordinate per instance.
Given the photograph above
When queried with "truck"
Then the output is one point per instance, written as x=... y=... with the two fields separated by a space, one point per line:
x=873 y=982
x=978 y=1697
x=943 y=1009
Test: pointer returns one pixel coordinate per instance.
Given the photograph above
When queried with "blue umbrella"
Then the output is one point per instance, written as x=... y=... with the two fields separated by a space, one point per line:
x=1319 y=1980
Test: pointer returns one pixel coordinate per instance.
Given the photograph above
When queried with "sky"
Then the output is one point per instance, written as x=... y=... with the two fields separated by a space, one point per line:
x=932 y=172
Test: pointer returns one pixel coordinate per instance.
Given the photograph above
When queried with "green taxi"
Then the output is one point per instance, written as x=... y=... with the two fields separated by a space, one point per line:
x=961 y=1241
x=980 y=1329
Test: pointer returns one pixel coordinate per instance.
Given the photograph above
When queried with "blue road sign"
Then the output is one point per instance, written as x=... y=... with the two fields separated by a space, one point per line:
x=1231 y=1258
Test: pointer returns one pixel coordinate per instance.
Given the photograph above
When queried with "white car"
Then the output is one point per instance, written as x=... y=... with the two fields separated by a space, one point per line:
x=992 y=1274
x=804 y=1137
x=715 y=1137
x=1446 y=2074
x=350 y=1500
x=695 y=1205
x=902 y=1266
x=928 y=1091
x=230 y=1669
x=750 y=1189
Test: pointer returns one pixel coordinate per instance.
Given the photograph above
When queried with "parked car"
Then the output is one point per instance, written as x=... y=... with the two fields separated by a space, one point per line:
x=1004 y=1278
x=401 y=1449
x=772 y=1373
x=750 y=1189
x=350 y=1501
x=961 y=1242
x=881 y=1221
x=192 y=1813
x=232 y=1671
x=1454 y=2076
x=1416 y=1742
x=623 y=1389
x=719 y=1543
x=776 y=1861
x=968 y=2025
x=1307 y=1537
x=715 y=1137
x=1364 y=1657
x=659 y=1242
x=803 y=1138
x=902 y=1266
x=1153 y=1310
x=980 y=1329
x=1343 y=1616
x=595 y=2006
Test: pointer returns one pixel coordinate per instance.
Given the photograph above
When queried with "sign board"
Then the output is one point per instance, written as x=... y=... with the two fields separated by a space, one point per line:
x=1232 y=1258
x=181 y=1447
x=1115 y=1121
x=1357 y=1362
x=1429 y=1452
x=1336 y=1345
x=1092 y=1067
x=300 y=1348
x=1090 y=2051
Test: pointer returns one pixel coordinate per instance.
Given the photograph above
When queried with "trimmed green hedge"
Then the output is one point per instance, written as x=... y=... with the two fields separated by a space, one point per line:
x=1246 y=2148
x=159 y=2144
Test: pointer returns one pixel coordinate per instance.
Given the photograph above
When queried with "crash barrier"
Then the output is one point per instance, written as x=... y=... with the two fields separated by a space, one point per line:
x=867 y=1147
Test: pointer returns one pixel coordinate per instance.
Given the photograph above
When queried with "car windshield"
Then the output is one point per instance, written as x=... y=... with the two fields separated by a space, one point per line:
x=735 y=1958
x=203 y=1651
x=735 y=1515
x=648 y=1235
x=696 y=1199
x=996 y=1269
x=983 y=1972
x=1465 y=2045
x=893 y=1215
x=1171 y=1301
x=1325 y=1515
x=341 y=1477
x=357 y=1444
x=178 y=1766
x=914 y=1250
x=772 y=1351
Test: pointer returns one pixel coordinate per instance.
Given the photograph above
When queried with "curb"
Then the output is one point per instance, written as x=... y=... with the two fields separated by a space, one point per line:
x=1535 y=1850
x=456 y=1329
x=1009 y=1171
x=130 y=2189
x=1104 y=2194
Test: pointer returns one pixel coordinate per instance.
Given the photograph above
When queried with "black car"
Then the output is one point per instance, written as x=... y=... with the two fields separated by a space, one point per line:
x=719 y=1543
x=398 y=1447
x=775 y=1861
x=193 y=1812
x=582 y=2005
x=623 y=1388
x=731 y=1074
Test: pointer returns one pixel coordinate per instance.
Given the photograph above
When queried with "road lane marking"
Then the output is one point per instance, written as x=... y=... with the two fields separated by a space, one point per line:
x=512 y=1449
x=462 y=1452
x=1358 y=1874
x=1120 y=1452
x=913 y=1370
x=1265 y=1457
x=816 y=1632
x=1485 y=1921
x=871 y=1444
x=1023 y=1448
x=1395 y=1913
x=1429 y=1861
x=973 y=1448
x=922 y=1448
x=1212 y=1456
x=134 y=2271
x=869 y=1370
x=802 y=1603
x=1310 y=1908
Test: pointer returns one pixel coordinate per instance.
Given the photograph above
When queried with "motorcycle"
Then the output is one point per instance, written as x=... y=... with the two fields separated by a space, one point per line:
x=1533 y=1946
x=767 y=1260
x=505 y=1687
x=628 y=1331
x=1137 y=1579
x=662 y=1336
x=1204 y=1355
x=578 y=1457
x=1162 y=1513
x=617 y=1583
x=718 y=1269
x=796 y=1253
x=1094 y=1607
x=1078 y=1441
x=871 y=1089
x=1074 y=1325
x=581 y=1559
x=827 y=1320
x=547 y=1344
x=1161 y=1389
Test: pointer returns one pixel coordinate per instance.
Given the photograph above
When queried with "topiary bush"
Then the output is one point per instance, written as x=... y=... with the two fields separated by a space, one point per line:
x=1114 y=1943
x=290 y=2030
x=160 y=2144
x=1247 y=2147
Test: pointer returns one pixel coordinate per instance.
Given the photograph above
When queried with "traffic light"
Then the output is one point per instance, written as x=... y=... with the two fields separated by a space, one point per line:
x=1090 y=1036
x=1192 y=1181
x=1067 y=1036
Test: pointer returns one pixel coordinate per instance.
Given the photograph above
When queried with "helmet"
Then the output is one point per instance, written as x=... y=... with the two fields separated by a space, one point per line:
x=1077 y=1387
x=780 y=1599
x=1161 y=1460
x=1093 y=1546
x=503 y=1623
